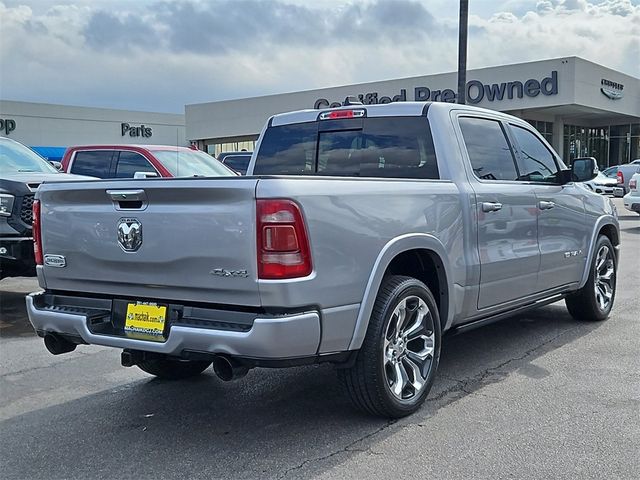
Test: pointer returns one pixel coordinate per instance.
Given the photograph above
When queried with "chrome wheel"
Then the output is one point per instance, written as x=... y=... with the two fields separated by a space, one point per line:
x=408 y=348
x=604 y=277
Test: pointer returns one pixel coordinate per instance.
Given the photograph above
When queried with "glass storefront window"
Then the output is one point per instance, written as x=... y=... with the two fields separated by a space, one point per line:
x=218 y=148
x=625 y=143
x=545 y=129
x=620 y=130
x=612 y=145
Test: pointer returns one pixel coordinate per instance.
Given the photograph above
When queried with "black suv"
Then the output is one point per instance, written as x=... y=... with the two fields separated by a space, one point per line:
x=21 y=172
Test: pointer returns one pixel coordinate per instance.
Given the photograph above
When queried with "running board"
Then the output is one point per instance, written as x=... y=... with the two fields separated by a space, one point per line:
x=501 y=316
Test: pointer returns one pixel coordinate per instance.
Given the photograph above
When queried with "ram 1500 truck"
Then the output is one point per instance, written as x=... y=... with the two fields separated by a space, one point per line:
x=360 y=236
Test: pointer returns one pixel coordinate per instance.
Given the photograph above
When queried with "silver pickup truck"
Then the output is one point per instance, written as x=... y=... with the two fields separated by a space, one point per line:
x=359 y=237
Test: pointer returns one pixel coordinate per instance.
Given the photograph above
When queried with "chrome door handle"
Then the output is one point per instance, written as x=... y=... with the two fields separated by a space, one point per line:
x=542 y=205
x=491 y=206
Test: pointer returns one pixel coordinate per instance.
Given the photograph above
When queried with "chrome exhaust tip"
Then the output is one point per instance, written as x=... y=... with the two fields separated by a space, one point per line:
x=228 y=369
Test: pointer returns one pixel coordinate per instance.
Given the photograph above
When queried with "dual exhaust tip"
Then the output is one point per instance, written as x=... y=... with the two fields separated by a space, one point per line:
x=226 y=368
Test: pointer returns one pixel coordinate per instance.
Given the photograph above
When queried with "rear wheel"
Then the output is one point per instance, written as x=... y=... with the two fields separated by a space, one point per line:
x=594 y=301
x=173 y=369
x=395 y=367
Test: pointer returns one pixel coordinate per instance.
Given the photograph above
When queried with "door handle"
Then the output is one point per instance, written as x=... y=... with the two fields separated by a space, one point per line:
x=491 y=206
x=543 y=205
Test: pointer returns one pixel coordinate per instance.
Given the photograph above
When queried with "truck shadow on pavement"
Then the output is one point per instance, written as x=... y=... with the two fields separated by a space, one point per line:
x=271 y=424
x=13 y=315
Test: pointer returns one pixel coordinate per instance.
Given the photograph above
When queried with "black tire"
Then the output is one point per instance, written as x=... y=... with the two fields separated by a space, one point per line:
x=173 y=369
x=367 y=382
x=586 y=304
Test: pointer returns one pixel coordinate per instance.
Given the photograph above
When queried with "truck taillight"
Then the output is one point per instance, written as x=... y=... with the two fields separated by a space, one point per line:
x=37 y=235
x=620 y=177
x=283 y=244
x=633 y=184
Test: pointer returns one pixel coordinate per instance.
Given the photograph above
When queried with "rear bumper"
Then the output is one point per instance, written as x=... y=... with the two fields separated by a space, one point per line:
x=269 y=337
x=604 y=189
x=632 y=203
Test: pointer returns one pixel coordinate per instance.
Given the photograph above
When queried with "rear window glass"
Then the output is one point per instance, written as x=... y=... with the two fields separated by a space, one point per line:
x=391 y=147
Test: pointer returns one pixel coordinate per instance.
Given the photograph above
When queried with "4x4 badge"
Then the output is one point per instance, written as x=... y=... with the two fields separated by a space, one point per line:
x=129 y=234
x=58 y=261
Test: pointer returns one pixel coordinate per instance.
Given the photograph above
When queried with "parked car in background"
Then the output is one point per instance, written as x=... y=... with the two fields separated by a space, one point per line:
x=623 y=174
x=602 y=184
x=21 y=173
x=632 y=199
x=635 y=162
x=239 y=161
x=129 y=161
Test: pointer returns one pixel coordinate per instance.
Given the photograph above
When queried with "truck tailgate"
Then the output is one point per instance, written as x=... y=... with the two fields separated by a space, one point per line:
x=198 y=239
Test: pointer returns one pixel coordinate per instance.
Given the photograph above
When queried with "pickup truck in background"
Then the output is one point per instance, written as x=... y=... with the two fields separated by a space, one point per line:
x=21 y=173
x=141 y=161
x=359 y=237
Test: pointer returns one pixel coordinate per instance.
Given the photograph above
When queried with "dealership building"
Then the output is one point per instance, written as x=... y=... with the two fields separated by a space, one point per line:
x=50 y=129
x=581 y=108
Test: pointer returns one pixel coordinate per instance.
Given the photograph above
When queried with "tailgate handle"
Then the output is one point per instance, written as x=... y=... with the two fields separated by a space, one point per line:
x=128 y=199
x=126 y=195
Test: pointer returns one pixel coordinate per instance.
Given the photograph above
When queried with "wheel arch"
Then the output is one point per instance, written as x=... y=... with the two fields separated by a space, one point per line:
x=418 y=255
x=606 y=225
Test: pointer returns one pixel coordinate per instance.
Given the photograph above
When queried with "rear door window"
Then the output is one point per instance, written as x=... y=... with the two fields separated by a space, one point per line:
x=390 y=147
x=95 y=163
x=131 y=162
x=488 y=149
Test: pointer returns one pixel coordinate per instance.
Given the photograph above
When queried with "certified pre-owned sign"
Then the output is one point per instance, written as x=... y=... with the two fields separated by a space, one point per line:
x=611 y=89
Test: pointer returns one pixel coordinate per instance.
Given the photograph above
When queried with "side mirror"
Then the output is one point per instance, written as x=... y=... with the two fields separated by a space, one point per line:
x=584 y=169
x=56 y=165
x=138 y=175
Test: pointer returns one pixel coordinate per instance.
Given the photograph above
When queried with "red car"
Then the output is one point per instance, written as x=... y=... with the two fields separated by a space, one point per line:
x=129 y=161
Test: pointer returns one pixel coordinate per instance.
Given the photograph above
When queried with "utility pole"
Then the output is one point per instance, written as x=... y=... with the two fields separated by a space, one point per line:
x=462 y=51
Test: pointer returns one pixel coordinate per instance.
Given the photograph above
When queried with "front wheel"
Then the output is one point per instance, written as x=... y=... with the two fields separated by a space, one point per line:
x=594 y=301
x=396 y=365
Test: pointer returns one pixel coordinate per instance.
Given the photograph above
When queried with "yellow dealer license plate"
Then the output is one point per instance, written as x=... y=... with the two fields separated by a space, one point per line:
x=145 y=321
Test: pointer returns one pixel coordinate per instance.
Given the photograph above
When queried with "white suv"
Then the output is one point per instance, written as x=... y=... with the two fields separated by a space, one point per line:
x=632 y=199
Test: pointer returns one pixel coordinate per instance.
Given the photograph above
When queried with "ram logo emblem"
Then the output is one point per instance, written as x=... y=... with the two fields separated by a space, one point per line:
x=129 y=234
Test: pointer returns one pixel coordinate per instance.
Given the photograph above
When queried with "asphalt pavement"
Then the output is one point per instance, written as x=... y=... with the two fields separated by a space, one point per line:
x=536 y=396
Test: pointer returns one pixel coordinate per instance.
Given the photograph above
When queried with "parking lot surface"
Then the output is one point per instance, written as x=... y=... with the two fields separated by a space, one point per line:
x=536 y=396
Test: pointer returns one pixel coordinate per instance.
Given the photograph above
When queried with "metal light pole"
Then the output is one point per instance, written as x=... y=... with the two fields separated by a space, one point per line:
x=462 y=51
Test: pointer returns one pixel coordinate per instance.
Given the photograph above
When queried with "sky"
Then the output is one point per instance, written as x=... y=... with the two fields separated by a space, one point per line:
x=158 y=55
